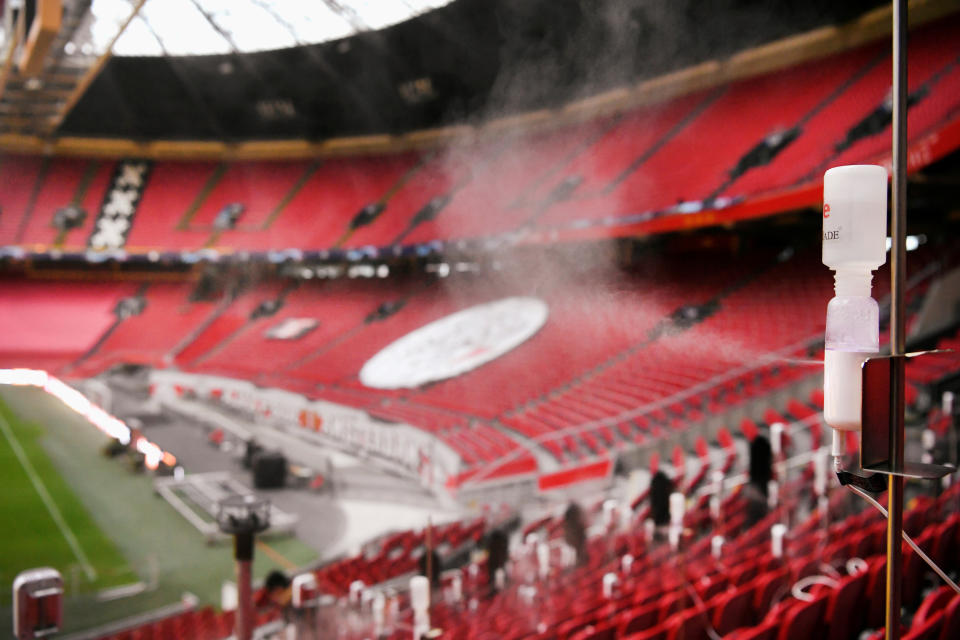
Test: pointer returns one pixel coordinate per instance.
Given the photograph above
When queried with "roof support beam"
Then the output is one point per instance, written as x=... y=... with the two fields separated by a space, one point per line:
x=43 y=31
x=16 y=35
x=92 y=72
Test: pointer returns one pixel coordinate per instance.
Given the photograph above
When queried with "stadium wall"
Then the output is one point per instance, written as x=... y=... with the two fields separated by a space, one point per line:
x=401 y=446
x=398 y=446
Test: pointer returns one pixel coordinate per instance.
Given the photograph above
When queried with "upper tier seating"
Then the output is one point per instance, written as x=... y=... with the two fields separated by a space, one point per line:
x=768 y=134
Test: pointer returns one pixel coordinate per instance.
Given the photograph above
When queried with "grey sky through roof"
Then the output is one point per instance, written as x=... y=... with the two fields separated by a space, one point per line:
x=200 y=27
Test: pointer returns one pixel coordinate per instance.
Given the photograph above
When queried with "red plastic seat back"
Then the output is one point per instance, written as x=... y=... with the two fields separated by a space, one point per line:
x=639 y=619
x=734 y=610
x=763 y=631
x=876 y=594
x=804 y=621
x=936 y=601
x=766 y=587
x=658 y=632
x=951 y=620
x=844 y=610
x=690 y=624
x=600 y=632
x=673 y=603
x=944 y=550
x=927 y=630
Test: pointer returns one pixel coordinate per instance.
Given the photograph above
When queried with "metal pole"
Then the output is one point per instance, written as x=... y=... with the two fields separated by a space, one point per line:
x=244 y=619
x=243 y=553
x=898 y=219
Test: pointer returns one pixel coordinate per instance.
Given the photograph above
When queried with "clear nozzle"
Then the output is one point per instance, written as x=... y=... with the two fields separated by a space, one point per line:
x=839 y=448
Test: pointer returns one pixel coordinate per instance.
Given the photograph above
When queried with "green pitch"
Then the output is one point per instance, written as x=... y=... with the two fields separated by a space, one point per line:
x=44 y=524
x=123 y=529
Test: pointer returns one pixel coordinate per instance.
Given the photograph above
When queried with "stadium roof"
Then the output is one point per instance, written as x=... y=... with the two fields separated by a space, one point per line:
x=234 y=70
x=199 y=27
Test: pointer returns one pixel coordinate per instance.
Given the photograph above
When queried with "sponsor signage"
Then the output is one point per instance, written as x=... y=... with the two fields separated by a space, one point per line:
x=455 y=344
x=291 y=329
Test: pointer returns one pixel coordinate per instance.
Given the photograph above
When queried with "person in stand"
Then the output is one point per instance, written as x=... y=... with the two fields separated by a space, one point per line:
x=497 y=553
x=660 y=489
x=761 y=472
x=575 y=532
x=432 y=568
x=277 y=592
x=661 y=486
x=251 y=449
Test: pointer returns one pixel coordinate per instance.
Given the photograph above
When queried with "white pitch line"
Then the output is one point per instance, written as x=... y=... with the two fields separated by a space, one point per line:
x=47 y=500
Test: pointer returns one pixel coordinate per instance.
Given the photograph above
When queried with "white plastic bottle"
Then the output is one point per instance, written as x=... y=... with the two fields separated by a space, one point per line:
x=854 y=244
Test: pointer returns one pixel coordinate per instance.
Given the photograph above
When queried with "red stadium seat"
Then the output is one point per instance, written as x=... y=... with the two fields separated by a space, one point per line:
x=804 y=620
x=929 y=629
x=767 y=586
x=690 y=624
x=734 y=610
x=639 y=618
x=936 y=600
x=658 y=632
x=844 y=609
x=951 y=620
x=763 y=631
x=600 y=632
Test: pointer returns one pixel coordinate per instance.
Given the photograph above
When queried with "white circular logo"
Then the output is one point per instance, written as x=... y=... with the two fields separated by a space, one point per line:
x=455 y=344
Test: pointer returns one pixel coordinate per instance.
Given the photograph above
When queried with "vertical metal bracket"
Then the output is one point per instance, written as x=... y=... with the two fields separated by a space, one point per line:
x=875 y=454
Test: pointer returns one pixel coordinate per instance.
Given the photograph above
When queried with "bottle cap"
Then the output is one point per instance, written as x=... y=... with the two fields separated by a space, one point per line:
x=856 y=183
x=855 y=216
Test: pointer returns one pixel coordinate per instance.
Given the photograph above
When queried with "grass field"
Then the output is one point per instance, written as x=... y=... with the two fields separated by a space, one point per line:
x=44 y=522
x=121 y=526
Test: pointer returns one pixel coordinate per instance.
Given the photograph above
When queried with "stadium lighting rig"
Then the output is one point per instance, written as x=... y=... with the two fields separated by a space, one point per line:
x=864 y=391
x=75 y=401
